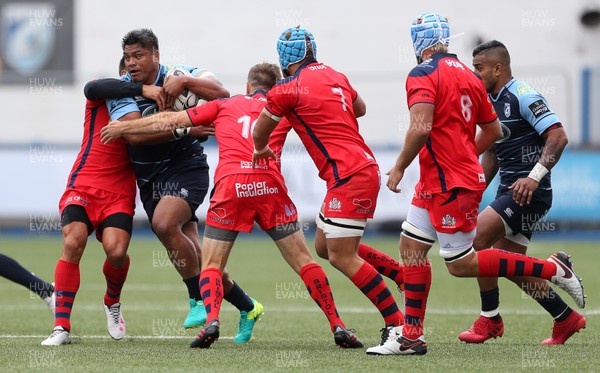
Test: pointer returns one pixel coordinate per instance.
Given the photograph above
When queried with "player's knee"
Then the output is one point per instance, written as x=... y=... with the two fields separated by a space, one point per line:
x=117 y=255
x=321 y=251
x=457 y=270
x=73 y=247
x=481 y=243
x=339 y=261
x=164 y=229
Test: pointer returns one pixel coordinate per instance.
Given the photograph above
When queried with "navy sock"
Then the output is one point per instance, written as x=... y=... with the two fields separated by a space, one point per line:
x=13 y=271
x=239 y=298
x=193 y=286
x=555 y=306
x=490 y=300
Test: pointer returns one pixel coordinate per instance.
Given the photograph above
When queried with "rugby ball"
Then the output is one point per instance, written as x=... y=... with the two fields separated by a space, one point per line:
x=187 y=98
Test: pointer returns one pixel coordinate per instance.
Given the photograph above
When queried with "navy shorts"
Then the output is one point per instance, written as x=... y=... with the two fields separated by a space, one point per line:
x=188 y=181
x=522 y=219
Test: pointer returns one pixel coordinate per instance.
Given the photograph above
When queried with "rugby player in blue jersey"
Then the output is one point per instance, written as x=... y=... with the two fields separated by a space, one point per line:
x=532 y=143
x=172 y=172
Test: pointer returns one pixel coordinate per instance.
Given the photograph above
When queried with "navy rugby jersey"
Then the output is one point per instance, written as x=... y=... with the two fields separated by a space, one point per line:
x=524 y=115
x=152 y=160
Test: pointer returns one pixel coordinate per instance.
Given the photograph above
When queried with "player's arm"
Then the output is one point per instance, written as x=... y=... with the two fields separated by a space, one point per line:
x=489 y=133
x=204 y=84
x=421 y=119
x=535 y=110
x=490 y=165
x=111 y=88
x=157 y=123
x=261 y=134
x=359 y=106
x=555 y=141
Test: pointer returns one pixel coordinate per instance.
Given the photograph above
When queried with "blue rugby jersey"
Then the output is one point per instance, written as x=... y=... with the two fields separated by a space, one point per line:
x=152 y=160
x=524 y=115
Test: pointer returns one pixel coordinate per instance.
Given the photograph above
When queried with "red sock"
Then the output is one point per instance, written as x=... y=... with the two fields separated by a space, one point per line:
x=317 y=285
x=66 y=284
x=500 y=263
x=115 y=279
x=372 y=285
x=211 y=289
x=383 y=263
x=417 y=281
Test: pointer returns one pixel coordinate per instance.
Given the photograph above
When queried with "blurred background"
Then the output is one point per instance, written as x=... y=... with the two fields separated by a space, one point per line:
x=50 y=49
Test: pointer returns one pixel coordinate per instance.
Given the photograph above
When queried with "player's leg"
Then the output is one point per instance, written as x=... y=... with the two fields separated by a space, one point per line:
x=115 y=232
x=169 y=217
x=249 y=308
x=15 y=272
x=418 y=235
x=76 y=227
x=292 y=245
x=383 y=263
x=342 y=240
x=494 y=262
x=216 y=247
x=491 y=228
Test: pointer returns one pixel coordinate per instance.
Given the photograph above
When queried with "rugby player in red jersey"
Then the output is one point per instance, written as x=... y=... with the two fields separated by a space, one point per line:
x=447 y=101
x=243 y=195
x=322 y=107
x=100 y=196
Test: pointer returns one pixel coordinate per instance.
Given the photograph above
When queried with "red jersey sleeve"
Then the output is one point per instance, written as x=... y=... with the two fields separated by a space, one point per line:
x=420 y=87
x=486 y=112
x=204 y=115
x=282 y=98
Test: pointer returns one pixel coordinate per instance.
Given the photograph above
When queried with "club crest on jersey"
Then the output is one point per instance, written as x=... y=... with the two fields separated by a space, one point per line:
x=449 y=221
x=507 y=109
x=335 y=204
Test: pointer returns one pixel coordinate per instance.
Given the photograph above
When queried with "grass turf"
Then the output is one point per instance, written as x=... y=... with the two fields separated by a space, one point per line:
x=292 y=334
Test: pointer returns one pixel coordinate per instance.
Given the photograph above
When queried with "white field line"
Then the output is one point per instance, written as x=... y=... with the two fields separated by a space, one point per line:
x=190 y=337
x=89 y=307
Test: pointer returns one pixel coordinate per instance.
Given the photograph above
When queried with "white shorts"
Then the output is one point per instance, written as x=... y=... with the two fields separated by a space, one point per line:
x=340 y=227
x=453 y=246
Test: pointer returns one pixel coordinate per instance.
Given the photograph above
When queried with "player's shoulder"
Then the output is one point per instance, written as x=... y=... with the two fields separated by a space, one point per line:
x=523 y=91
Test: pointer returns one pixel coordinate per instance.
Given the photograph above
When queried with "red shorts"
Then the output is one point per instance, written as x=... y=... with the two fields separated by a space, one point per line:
x=452 y=211
x=98 y=203
x=357 y=198
x=242 y=199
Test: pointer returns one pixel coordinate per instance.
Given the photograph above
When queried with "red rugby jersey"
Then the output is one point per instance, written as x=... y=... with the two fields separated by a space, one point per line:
x=234 y=119
x=449 y=158
x=317 y=101
x=98 y=165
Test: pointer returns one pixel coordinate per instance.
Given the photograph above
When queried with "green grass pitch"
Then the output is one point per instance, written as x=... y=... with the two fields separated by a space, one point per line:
x=292 y=334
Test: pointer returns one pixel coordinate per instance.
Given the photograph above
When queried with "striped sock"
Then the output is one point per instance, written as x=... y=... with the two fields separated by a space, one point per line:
x=211 y=288
x=384 y=264
x=115 y=279
x=417 y=281
x=372 y=285
x=67 y=279
x=317 y=285
x=500 y=263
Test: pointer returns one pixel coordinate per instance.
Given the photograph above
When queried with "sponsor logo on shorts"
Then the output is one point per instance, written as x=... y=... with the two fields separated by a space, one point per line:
x=481 y=178
x=509 y=212
x=472 y=216
x=335 y=204
x=365 y=205
x=254 y=189
x=219 y=216
x=244 y=164
x=79 y=199
x=449 y=221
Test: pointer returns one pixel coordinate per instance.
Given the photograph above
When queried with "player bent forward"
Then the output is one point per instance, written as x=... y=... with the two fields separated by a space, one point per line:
x=243 y=195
